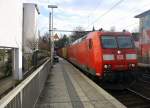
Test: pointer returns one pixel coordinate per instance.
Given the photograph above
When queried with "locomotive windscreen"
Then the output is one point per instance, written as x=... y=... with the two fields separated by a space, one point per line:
x=117 y=42
x=109 y=42
x=125 y=42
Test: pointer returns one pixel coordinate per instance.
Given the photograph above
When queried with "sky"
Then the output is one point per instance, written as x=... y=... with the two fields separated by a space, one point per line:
x=106 y=14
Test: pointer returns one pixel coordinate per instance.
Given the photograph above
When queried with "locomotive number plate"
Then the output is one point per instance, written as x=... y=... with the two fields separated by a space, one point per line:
x=119 y=57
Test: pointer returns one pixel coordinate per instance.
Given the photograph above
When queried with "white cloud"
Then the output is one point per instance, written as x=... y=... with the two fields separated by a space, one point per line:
x=73 y=13
x=43 y=24
x=30 y=1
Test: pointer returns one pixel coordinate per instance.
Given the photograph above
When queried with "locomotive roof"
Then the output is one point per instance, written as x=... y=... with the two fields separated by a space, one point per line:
x=79 y=40
x=115 y=33
x=101 y=33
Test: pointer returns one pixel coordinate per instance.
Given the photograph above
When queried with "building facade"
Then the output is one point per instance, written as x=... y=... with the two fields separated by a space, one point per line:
x=30 y=27
x=144 y=27
x=11 y=32
x=18 y=31
x=144 y=36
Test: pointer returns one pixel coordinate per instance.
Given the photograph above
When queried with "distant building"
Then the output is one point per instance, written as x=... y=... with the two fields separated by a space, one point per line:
x=30 y=27
x=144 y=27
x=11 y=33
x=144 y=36
x=136 y=37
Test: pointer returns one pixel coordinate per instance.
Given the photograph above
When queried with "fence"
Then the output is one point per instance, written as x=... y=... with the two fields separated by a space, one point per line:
x=145 y=60
x=25 y=95
x=5 y=62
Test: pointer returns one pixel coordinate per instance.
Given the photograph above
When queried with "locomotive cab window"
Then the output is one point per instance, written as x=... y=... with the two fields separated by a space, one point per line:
x=125 y=42
x=90 y=43
x=108 y=42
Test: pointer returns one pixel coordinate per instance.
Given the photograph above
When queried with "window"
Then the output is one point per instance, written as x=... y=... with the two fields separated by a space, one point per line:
x=125 y=42
x=109 y=42
x=90 y=43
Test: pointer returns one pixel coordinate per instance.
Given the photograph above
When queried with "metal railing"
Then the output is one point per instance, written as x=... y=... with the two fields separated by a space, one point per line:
x=26 y=94
x=145 y=60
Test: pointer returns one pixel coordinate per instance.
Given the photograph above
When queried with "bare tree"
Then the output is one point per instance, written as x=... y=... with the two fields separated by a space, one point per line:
x=78 y=33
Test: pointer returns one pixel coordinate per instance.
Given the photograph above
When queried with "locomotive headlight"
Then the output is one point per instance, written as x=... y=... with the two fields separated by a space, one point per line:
x=131 y=56
x=108 y=57
x=105 y=66
x=119 y=52
x=133 y=65
x=109 y=66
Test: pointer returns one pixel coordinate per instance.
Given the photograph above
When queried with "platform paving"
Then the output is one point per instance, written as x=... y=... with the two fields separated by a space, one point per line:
x=67 y=87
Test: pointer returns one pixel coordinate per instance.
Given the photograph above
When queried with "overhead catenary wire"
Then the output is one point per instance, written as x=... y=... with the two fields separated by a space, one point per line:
x=133 y=10
x=105 y=13
x=69 y=31
x=94 y=10
x=109 y=10
x=98 y=4
x=130 y=25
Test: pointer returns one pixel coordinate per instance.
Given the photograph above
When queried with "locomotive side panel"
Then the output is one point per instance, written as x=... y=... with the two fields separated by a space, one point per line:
x=98 y=55
x=90 y=54
x=82 y=55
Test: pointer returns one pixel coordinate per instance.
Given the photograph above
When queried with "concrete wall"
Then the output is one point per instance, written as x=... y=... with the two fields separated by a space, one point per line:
x=30 y=27
x=145 y=29
x=11 y=23
x=18 y=26
x=11 y=32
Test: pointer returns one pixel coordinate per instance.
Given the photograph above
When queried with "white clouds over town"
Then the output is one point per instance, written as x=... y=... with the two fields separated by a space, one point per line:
x=74 y=13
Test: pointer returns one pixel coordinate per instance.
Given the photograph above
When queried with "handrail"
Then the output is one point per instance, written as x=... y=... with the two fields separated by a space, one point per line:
x=13 y=93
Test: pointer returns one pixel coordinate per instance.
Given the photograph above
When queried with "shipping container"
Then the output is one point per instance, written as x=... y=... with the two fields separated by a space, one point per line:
x=64 y=52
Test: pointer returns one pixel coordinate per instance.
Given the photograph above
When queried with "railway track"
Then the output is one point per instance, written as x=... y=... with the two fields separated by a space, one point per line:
x=130 y=98
x=146 y=77
x=136 y=95
x=141 y=87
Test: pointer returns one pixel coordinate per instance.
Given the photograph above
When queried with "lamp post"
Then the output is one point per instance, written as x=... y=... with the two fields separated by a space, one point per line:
x=51 y=30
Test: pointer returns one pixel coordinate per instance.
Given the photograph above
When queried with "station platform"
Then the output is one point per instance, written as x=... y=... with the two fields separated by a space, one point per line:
x=67 y=87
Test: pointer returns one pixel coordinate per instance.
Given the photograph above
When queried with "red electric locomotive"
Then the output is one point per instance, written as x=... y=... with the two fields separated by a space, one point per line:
x=107 y=55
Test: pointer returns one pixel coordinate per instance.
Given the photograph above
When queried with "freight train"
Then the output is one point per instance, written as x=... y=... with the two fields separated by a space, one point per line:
x=106 y=55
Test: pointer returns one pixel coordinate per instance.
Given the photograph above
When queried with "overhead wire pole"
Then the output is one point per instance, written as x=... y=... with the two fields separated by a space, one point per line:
x=52 y=24
x=50 y=15
x=51 y=31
